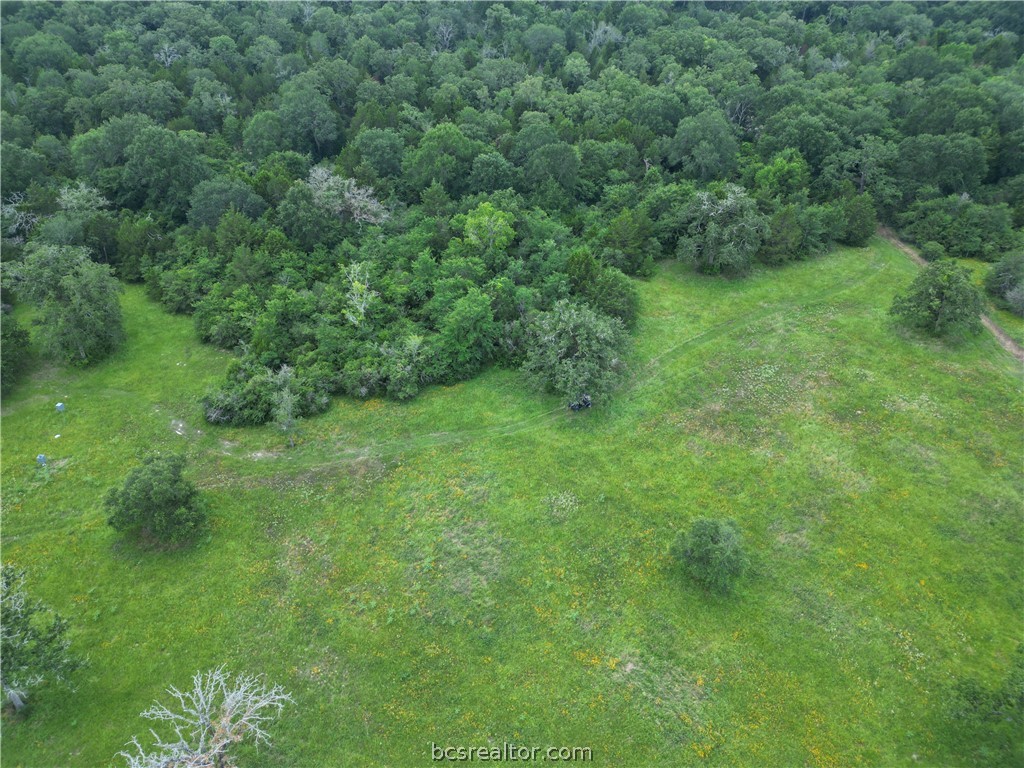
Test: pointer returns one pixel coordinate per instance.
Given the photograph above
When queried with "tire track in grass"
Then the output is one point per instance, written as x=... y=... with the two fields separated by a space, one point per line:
x=657 y=370
x=633 y=389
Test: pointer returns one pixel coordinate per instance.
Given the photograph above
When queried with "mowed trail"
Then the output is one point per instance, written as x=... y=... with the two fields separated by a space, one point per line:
x=994 y=328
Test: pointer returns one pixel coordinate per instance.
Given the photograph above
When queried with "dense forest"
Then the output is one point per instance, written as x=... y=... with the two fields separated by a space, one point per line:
x=370 y=198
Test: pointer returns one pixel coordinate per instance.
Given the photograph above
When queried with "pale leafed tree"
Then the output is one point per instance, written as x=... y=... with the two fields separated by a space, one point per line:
x=17 y=221
x=219 y=711
x=601 y=34
x=81 y=198
x=344 y=198
x=445 y=34
x=286 y=403
x=33 y=642
x=359 y=294
x=166 y=55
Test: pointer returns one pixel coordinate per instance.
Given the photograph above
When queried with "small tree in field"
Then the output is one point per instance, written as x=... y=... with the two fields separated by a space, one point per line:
x=941 y=300
x=33 y=646
x=217 y=712
x=711 y=552
x=575 y=352
x=157 y=502
x=77 y=298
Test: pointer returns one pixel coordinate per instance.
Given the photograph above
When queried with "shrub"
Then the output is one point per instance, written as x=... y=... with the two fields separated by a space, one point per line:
x=933 y=251
x=941 y=300
x=157 y=502
x=711 y=553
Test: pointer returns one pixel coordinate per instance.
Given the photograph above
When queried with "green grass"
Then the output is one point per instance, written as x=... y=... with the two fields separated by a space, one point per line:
x=480 y=565
x=1009 y=322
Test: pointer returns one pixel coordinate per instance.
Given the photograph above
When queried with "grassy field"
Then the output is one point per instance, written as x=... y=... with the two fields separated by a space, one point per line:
x=481 y=566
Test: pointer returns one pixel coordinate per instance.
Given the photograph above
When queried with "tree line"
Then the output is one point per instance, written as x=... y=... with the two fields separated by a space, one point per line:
x=378 y=197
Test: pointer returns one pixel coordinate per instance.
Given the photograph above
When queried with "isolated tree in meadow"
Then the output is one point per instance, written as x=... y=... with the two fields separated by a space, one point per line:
x=711 y=553
x=942 y=299
x=219 y=711
x=79 y=312
x=33 y=642
x=157 y=501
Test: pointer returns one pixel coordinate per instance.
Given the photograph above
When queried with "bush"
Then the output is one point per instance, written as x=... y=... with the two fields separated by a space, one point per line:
x=711 y=553
x=157 y=502
x=933 y=251
x=942 y=299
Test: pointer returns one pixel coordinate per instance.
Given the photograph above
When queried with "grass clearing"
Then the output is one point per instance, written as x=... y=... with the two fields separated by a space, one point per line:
x=480 y=565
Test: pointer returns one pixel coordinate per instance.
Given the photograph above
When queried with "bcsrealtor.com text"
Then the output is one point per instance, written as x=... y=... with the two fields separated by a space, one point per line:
x=510 y=753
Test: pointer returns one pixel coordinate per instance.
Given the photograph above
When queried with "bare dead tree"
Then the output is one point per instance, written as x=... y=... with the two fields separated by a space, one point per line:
x=217 y=712
x=445 y=34
x=166 y=55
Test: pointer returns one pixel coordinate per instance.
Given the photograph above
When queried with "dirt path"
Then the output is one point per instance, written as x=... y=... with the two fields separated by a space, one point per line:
x=1002 y=337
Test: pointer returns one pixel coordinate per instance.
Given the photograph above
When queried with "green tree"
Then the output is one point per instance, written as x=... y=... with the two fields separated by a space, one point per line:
x=606 y=289
x=307 y=119
x=212 y=198
x=79 y=313
x=33 y=641
x=444 y=155
x=468 y=333
x=382 y=149
x=574 y=351
x=1005 y=282
x=487 y=234
x=711 y=553
x=14 y=352
x=161 y=169
x=859 y=220
x=942 y=299
x=705 y=146
x=262 y=135
x=724 y=231
x=156 y=502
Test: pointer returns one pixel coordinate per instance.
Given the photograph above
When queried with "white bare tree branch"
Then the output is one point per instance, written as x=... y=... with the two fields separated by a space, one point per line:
x=17 y=222
x=218 y=711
